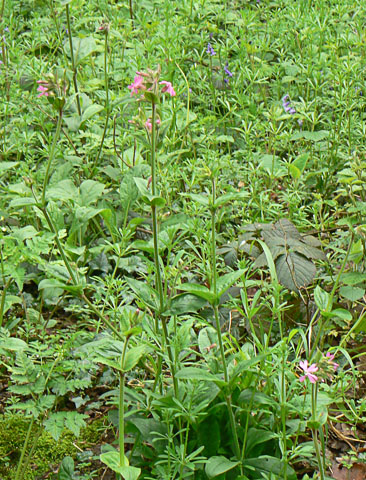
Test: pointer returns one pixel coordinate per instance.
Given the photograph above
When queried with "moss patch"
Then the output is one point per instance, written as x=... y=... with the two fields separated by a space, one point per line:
x=47 y=454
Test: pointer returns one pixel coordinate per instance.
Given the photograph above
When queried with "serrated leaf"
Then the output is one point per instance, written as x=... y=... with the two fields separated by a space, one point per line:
x=294 y=271
x=75 y=421
x=216 y=466
x=55 y=424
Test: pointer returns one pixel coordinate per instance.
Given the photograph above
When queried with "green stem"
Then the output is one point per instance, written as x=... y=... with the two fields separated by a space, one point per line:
x=331 y=296
x=107 y=107
x=51 y=157
x=314 y=392
x=74 y=79
x=217 y=321
x=121 y=418
x=159 y=282
x=2 y=9
x=3 y=297
x=158 y=277
x=18 y=475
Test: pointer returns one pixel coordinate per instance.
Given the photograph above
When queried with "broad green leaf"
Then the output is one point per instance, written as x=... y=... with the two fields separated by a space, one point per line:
x=199 y=198
x=256 y=436
x=294 y=171
x=133 y=356
x=66 y=471
x=342 y=313
x=11 y=300
x=352 y=293
x=185 y=303
x=5 y=166
x=112 y=460
x=209 y=435
x=269 y=465
x=229 y=197
x=217 y=465
x=52 y=283
x=199 y=290
x=301 y=161
x=22 y=202
x=226 y=281
x=151 y=200
x=353 y=278
x=128 y=193
x=90 y=192
x=82 y=215
x=322 y=299
x=90 y=111
x=144 y=292
x=82 y=48
x=294 y=271
x=109 y=362
x=272 y=165
x=312 y=136
x=13 y=344
x=130 y=473
x=63 y=190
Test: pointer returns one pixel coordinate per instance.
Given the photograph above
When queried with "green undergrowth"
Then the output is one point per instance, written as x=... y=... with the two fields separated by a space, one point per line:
x=47 y=454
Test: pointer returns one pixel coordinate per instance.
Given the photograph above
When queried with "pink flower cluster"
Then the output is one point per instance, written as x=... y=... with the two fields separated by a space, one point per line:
x=138 y=85
x=148 y=124
x=309 y=370
x=42 y=88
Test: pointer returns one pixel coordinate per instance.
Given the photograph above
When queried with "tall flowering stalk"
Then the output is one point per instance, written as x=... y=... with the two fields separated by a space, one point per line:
x=149 y=88
x=324 y=368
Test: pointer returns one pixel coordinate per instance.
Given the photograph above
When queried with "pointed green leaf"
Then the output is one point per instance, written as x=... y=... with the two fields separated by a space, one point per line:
x=199 y=290
x=218 y=465
x=133 y=357
x=322 y=299
x=144 y=292
x=226 y=281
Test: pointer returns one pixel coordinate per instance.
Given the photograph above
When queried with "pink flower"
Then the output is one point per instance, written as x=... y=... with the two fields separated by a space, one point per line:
x=308 y=370
x=330 y=358
x=148 y=124
x=168 y=87
x=44 y=91
x=138 y=84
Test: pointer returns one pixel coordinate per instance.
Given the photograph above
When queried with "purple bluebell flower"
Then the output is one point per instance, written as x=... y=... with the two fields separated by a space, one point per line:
x=227 y=71
x=286 y=103
x=210 y=50
x=6 y=29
